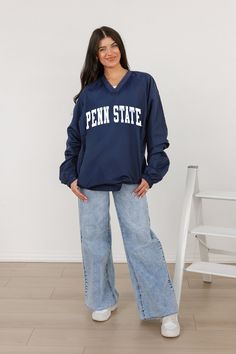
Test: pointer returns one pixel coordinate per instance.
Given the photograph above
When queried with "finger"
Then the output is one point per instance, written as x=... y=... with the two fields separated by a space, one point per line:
x=139 y=187
x=141 y=192
x=83 y=197
x=146 y=182
x=80 y=195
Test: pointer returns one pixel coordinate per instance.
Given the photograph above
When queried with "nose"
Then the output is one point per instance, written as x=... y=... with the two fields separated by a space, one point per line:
x=108 y=51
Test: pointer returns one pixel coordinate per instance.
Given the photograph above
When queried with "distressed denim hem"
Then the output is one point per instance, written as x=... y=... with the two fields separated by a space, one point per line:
x=92 y=309
x=158 y=317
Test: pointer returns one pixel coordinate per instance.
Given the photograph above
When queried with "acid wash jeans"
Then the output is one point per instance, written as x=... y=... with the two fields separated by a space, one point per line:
x=154 y=292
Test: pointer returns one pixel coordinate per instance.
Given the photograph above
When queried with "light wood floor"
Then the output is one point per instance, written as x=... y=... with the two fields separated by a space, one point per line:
x=42 y=310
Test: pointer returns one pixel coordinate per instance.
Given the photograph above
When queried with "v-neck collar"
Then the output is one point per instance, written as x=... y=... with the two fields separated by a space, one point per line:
x=119 y=85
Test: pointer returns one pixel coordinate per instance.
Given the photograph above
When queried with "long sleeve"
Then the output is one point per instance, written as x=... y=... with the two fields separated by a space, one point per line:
x=68 y=169
x=156 y=138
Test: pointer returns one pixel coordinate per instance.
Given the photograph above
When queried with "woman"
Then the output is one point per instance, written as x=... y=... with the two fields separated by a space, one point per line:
x=116 y=113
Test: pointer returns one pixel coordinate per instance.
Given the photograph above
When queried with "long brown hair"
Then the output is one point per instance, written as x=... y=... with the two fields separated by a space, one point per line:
x=92 y=68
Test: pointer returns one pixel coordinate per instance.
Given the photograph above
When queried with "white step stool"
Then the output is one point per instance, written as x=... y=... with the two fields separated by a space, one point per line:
x=201 y=231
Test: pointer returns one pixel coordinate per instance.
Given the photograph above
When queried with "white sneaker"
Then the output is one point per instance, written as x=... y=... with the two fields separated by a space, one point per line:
x=170 y=326
x=103 y=315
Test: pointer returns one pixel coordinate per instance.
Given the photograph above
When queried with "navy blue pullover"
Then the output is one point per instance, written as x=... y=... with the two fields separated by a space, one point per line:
x=109 y=132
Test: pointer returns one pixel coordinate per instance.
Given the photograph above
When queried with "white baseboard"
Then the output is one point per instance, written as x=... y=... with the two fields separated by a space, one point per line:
x=70 y=257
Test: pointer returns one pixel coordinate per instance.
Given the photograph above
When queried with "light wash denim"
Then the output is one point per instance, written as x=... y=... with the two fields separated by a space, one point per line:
x=154 y=292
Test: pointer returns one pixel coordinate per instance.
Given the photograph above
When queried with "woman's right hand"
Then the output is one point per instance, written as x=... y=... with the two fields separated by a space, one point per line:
x=75 y=189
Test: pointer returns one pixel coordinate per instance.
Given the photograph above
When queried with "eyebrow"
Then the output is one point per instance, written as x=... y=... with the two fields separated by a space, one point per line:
x=105 y=46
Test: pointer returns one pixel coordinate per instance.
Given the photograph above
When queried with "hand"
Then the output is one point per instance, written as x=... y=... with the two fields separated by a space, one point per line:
x=142 y=188
x=76 y=191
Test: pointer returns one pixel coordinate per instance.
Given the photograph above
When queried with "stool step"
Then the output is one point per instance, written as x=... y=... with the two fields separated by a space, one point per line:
x=219 y=269
x=226 y=195
x=217 y=231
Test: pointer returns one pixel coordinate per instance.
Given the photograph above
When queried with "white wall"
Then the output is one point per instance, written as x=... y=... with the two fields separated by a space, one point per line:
x=188 y=46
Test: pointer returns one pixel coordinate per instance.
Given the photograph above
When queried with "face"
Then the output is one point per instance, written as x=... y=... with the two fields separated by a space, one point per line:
x=108 y=52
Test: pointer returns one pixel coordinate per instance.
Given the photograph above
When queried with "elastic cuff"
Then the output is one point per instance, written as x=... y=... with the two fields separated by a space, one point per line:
x=148 y=179
x=70 y=181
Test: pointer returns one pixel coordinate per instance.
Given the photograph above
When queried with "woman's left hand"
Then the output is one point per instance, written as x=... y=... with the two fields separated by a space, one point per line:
x=142 y=188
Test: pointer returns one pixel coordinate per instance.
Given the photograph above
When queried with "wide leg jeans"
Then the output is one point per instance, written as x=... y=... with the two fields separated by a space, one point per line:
x=153 y=289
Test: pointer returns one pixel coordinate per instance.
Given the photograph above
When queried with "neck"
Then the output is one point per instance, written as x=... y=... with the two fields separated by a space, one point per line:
x=115 y=72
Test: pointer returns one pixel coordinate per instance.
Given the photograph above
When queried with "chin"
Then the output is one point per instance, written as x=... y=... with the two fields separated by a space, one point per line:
x=111 y=65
